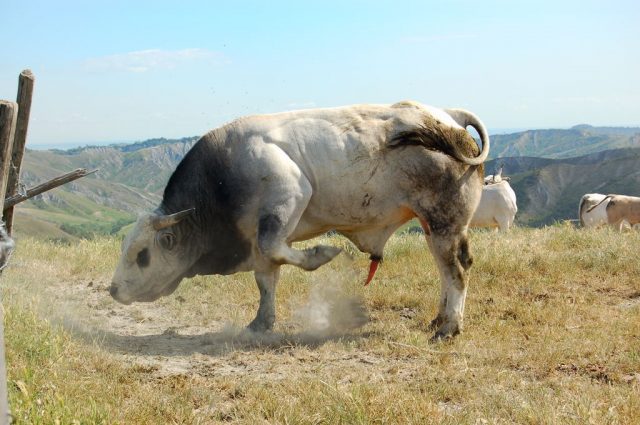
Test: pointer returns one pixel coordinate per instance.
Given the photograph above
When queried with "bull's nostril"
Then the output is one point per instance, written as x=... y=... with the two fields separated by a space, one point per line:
x=113 y=291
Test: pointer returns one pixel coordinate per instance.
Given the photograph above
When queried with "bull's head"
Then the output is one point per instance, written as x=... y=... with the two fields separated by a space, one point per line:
x=153 y=260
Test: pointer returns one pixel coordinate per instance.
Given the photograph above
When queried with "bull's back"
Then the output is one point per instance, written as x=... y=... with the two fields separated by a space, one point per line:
x=340 y=151
x=344 y=153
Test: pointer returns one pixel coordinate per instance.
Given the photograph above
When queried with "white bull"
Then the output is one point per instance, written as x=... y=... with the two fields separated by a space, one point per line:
x=497 y=207
x=246 y=191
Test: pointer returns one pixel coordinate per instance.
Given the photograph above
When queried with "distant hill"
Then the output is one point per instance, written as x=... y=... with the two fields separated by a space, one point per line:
x=550 y=171
x=576 y=141
x=130 y=180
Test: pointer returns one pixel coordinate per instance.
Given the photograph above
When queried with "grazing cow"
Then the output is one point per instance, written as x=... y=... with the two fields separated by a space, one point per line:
x=593 y=217
x=621 y=209
x=497 y=177
x=6 y=246
x=247 y=190
x=497 y=207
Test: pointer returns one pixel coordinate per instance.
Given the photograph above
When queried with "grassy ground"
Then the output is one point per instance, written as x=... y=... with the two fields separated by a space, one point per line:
x=552 y=335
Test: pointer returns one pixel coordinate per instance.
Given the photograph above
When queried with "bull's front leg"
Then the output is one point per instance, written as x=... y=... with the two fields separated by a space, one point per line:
x=266 y=316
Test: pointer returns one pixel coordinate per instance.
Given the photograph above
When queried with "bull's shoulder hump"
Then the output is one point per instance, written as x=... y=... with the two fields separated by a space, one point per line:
x=332 y=115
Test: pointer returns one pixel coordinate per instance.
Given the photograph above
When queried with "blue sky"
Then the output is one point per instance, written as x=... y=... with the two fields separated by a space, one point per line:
x=132 y=70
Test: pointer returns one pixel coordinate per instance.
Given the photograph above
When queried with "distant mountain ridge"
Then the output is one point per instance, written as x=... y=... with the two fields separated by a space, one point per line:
x=611 y=131
x=550 y=171
x=577 y=141
x=130 y=181
x=127 y=147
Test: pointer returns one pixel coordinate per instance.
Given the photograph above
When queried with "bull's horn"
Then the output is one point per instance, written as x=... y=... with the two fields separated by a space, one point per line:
x=465 y=118
x=160 y=222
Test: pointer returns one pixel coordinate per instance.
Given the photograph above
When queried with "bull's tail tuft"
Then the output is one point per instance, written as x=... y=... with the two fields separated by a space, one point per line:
x=452 y=141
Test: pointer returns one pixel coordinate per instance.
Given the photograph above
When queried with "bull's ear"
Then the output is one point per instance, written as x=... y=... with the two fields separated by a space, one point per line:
x=160 y=222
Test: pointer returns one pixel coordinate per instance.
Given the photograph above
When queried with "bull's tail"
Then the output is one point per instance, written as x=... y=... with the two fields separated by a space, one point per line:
x=465 y=118
x=603 y=199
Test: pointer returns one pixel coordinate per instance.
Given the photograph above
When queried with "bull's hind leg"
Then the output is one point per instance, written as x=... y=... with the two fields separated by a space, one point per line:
x=450 y=249
x=452 y=255
x=442 y=304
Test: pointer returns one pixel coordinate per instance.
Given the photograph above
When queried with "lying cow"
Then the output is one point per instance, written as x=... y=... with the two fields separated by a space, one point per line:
x=593 y=217
x=621 y=209
x=497 y=207
x=247 y=190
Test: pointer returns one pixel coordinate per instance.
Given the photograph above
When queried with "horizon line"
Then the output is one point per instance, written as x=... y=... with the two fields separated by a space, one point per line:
x=124 y=142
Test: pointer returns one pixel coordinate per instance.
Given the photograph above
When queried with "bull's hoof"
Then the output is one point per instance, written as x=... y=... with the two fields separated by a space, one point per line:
x=446 y=332
x=319 y=255
x=436 y=323
x=259 y=326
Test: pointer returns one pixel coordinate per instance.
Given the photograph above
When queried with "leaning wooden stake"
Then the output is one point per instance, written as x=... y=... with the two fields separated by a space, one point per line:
x=8 y=115
x=25 y=91
x=41 y=188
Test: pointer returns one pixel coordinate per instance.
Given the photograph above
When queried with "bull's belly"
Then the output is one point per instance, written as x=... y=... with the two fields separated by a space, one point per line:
x=316 y=221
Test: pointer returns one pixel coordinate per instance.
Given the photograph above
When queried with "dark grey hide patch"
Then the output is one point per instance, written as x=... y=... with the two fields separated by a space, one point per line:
x=207 y=180
x=268 y=227
x=464 y=255
x=142 y=259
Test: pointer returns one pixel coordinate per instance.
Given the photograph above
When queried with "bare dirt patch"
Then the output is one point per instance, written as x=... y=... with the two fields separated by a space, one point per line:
x=152 y=336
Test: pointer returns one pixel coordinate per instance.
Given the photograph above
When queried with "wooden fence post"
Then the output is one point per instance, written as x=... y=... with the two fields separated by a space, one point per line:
x=25 y=92
x=8 y=117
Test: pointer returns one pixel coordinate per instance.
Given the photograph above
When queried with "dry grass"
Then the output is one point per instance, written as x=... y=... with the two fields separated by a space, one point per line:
x=552 y=335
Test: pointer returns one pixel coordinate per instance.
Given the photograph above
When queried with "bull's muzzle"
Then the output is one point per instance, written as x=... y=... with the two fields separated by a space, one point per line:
x=113 y=291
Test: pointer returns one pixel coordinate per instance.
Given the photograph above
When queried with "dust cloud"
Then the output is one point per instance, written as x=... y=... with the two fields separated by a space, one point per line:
x=330 y=309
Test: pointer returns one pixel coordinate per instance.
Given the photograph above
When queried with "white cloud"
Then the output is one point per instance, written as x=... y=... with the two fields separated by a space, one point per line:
x=576 y=99
x=152 y=59
x=437 y=38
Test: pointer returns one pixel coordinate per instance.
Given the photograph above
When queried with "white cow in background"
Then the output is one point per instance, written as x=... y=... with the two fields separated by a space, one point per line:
x=497 y=207
x=593 y=217
x=621 y=211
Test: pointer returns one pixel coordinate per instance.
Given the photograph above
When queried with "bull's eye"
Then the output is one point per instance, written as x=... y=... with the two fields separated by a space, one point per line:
x=142 y=260
x=167 y=241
